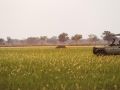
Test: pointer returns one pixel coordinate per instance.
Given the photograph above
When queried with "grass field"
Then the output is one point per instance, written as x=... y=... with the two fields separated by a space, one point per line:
x=57 y=69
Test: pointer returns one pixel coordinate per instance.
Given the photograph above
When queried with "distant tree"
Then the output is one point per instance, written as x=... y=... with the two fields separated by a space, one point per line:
x=32 y=40
x=93 y=38
x=53 y=40
x=63 y=37
x=108 y=36
x=76 y=37
x=43 y=39
x=2 y=41
x=9 y=40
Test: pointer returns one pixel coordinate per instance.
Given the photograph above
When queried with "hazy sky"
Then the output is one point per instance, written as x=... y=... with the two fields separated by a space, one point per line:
x=23 y=18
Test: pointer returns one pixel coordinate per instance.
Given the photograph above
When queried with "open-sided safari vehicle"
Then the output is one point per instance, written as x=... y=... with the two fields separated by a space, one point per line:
x=112 y=49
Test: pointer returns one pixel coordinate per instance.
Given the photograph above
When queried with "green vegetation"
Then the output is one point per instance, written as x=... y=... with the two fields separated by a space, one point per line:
x=74 y=68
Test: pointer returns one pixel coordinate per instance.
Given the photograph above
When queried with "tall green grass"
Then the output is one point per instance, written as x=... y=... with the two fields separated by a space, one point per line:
x=57 y=69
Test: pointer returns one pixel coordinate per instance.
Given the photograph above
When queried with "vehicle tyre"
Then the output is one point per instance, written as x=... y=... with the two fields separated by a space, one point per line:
x=101 y=52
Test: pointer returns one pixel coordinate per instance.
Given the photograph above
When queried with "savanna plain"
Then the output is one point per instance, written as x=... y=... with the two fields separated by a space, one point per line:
x=48 y=68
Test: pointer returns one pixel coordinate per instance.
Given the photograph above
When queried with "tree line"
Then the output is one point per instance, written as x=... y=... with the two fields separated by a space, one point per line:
x=62 y=38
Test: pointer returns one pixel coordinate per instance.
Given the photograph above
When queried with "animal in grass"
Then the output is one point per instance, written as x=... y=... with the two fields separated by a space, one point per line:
x=61 y=46
x=112 y=49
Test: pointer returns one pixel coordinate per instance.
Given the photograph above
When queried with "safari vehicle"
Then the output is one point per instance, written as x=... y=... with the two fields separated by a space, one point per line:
x=112 y=49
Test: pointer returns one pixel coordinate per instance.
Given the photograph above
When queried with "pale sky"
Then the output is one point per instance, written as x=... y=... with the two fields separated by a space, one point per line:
x=24 y=18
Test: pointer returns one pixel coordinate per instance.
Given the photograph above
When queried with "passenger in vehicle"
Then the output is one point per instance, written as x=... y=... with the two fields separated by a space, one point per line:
x=113 y=43
x=119 y=43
